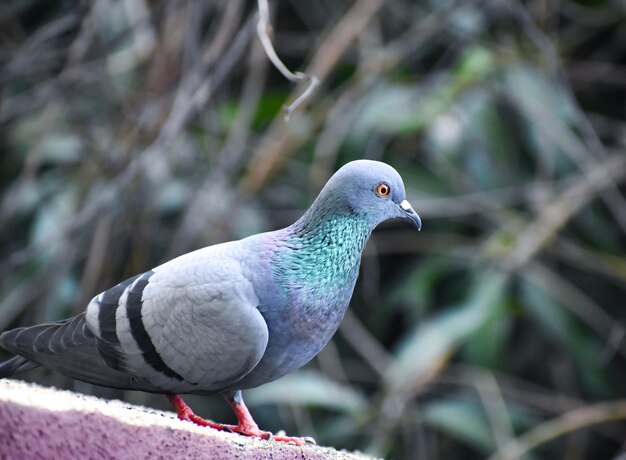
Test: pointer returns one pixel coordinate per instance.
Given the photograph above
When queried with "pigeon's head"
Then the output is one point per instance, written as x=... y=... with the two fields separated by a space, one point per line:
x=371 y=189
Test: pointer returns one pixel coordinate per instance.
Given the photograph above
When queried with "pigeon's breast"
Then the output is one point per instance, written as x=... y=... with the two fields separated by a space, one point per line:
x=311 y=280
x=298 y=330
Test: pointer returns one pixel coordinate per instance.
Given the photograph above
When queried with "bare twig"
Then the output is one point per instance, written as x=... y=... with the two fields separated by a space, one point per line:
x=495 y=407
x=228 y=23
x=556 y=214
x=340 y=117
x=515 y=389
x=586 y=151
x=590 y=260
x=229 y=160
x=364 y=343
x=585 y=73
x=27 y=57
x=262 y=29
x=189 y=99
x=278 y=140
x=93 y=262
x=577 y=301
x=566 y=423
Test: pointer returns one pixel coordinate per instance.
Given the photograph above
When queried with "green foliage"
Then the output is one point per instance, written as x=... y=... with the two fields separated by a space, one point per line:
x=433 y=341
x=461 y=420
x=309 y=389
x=130 y=136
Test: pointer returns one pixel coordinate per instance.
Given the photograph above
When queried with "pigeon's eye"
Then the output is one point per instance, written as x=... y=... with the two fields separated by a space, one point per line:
x=383 y=189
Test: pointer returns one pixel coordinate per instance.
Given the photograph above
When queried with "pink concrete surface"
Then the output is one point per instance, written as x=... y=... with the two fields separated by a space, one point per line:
x=32 y=433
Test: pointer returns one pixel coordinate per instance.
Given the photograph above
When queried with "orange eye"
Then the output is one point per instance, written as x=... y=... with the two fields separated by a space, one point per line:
x=383 y=189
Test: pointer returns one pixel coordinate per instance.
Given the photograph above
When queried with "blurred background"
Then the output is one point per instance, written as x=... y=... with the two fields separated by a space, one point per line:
x=133 y=131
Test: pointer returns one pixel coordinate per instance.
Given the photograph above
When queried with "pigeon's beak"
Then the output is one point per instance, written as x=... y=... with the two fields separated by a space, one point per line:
x=408 y=213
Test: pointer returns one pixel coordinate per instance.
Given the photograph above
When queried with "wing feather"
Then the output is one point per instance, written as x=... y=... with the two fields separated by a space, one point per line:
x=191 y=325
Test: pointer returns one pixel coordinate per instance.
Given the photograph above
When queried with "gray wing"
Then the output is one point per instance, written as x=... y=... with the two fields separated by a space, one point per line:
x=190 y=325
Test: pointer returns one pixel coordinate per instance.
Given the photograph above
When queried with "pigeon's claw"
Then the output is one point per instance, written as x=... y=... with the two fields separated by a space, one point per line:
x=254 y=432
x=248 y=427
x=245 y=426
x=291 y=440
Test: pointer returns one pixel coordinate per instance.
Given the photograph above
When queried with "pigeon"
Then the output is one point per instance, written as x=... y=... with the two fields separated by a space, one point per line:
x=226 y=317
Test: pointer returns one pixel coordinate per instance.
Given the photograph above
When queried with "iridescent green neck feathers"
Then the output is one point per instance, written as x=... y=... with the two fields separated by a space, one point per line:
x=320 y=258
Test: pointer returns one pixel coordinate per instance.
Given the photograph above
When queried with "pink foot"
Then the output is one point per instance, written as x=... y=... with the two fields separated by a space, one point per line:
x=246 y=426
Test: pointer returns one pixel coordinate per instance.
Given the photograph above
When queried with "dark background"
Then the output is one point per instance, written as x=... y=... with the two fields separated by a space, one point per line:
x=134 y=131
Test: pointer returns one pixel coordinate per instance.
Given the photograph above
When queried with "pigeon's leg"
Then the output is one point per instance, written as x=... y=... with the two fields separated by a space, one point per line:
x=247 y=426
x=185 y=413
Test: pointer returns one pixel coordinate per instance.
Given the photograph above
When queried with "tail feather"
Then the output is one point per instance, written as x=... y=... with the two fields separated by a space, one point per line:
x=16 y=365
x=67 y=347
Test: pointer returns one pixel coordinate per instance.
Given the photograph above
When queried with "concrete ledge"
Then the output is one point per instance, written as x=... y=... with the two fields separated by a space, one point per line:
x=45 y=423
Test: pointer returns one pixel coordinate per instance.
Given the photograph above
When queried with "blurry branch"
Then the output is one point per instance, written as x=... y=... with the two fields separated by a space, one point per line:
x=538 y=234
x=429 y=348
x=592 y=17
x=485 y=201
x=568 y=422
x=22 y=294
x=449 y=244
x=197 y=88
x=144 y=36
x=591 y=73
x=75 y=72
x=586 y=259
x=93 y=262
x=556 y=214
x=339 y=118
x=578 y=189
x=592 y=148
x=364 y=343
x=29 y=57
x=24 y=290
x=228 y=161
x=513 y=388
x=496 y=199
x=279 y=140
x=536 y=35
x=263 y=28
x=193 y=93
x=495 y=408
x=342 y=35
x=84 y=38
x=577 y=301
x=329 y=360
